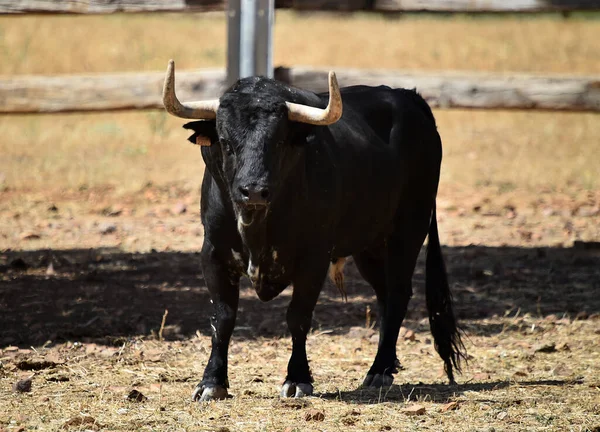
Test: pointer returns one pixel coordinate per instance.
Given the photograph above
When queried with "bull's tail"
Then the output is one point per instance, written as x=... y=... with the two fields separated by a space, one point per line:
x=444 y=327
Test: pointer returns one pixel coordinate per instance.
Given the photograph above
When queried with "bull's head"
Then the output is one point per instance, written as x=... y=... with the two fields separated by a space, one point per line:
x=258 y=146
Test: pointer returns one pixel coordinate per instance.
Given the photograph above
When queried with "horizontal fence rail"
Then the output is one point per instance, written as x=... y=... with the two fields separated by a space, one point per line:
x=76 y=93
x=467 y=6
x=472 y=90
x=107 y=6
x=52 y=94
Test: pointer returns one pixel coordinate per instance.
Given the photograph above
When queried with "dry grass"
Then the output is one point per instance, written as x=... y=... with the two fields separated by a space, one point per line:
x=128 y=150
x=520 y=149
x=64 y=44
x=102 y=302
x=506 y=386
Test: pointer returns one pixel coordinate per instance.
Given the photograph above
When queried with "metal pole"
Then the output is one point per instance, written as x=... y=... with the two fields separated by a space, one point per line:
x=233 y=41
x=263 y=42
x=250 y=38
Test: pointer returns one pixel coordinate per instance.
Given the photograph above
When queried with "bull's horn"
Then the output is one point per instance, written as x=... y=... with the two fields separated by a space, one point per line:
x=317 y=116
x=200 y=110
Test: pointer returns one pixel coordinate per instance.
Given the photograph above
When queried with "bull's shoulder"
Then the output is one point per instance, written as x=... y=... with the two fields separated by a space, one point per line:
x=384 y=101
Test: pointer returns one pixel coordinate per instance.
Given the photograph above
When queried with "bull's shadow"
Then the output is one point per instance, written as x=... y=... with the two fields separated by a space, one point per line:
x=439 y=393
x=106 y=295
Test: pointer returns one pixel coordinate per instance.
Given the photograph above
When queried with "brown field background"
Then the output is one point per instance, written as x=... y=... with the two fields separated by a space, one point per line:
x=99 y=234
x=523 y=149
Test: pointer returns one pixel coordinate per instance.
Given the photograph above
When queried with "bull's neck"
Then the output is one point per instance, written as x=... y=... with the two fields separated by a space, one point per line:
x=268 y=228
x=263 y=229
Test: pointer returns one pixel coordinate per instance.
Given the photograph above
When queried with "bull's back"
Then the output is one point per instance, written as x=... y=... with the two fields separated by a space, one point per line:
x=386 y=149
x=385 y=111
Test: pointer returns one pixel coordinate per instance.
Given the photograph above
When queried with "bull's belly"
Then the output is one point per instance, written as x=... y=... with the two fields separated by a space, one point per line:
x=363 y=226
x=358 y=240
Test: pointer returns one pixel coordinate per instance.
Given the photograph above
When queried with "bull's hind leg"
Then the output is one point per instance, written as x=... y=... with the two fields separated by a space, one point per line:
x=371 y=266
x=392 y=280
x=307 y=286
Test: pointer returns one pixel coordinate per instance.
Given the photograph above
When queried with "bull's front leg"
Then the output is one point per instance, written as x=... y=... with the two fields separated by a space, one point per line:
x=307 y=286
x=222 y=281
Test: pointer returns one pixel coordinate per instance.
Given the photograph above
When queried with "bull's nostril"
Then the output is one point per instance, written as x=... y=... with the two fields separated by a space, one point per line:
x=244 y=191
x=253 y=194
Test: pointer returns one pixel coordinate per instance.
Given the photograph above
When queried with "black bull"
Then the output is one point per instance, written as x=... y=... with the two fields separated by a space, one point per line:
x=283 y=199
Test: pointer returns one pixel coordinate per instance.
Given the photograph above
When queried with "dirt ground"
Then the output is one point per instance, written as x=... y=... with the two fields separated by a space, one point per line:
x=86 y=279
x=99 y=235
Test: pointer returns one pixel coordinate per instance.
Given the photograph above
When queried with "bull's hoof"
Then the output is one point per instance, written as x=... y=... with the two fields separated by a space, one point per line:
x=296 y=390
x=378 y=380
x=204 y=393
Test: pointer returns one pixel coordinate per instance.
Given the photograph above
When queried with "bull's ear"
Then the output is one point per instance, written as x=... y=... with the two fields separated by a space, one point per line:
x=205 y=132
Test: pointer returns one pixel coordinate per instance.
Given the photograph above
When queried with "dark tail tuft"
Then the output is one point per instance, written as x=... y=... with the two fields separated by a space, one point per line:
x=444 y=327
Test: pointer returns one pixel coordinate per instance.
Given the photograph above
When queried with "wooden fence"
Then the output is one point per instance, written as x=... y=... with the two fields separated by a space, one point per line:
x=80 y=93
x=467 y=6
x=143 y=90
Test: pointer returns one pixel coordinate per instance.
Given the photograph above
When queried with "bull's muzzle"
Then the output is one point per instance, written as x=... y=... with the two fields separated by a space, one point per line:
x=253 y=195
